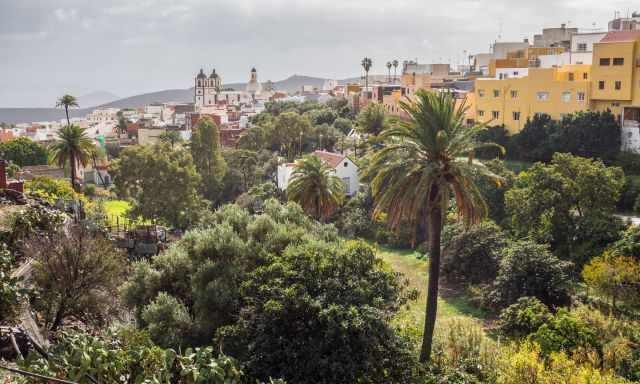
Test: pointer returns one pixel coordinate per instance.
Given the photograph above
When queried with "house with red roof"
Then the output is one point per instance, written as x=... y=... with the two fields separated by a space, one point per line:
x=343 y=167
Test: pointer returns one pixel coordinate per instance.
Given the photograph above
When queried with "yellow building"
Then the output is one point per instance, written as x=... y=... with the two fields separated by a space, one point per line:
x=616 y=72
x=551 y=91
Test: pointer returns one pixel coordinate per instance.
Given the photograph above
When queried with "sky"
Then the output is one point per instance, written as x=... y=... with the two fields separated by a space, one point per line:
x=127 y=47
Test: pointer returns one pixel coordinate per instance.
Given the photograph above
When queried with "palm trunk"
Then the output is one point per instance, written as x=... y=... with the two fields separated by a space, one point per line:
x=72 y=161
x=435 y=229
x=66 y=111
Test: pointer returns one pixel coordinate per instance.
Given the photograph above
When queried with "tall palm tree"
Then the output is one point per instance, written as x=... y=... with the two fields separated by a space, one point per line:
x=315 y=187
x=395 y=67
x=67 y=101
x=73 y=145
x=366 y=65
x=427 y=159
x=389 y=71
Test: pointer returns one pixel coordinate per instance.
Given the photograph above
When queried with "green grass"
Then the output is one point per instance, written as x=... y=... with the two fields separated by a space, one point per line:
x=450 y=303
x=116 y=211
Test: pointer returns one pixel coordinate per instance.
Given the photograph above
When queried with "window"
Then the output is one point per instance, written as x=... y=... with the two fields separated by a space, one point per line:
x=580 y=96
x=585 y=76
x=618 y=85
x=495 y=114
x=516 y=73
x=481 y=92
x=542 y=96
x=516 y=116
x=618 y=61
x=566 y=97
x=481 y=113
x=496 y=93
x=615 y=104
x=571 y=76
x=582 y=47
x=346 y=164
x=601 y=84
x=605 y=61
x=514 y=94
x=347 y=184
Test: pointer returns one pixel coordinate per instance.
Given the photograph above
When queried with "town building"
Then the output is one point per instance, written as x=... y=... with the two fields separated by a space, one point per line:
x=615 y=82
x=343 y=167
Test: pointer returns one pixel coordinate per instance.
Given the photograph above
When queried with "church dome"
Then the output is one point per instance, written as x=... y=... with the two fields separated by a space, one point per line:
x=201 y=75
x=213 y=75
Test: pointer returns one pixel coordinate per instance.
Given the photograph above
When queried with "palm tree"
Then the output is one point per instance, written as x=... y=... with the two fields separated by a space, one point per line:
x=425 y=161
x=315 y=187
x=395 y=67
x=74 y=146
x=366 y=64
x=67 y=101
x=389 y=71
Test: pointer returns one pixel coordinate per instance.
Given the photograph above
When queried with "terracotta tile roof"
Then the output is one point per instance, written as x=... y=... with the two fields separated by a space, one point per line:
x=620 y=36
x=333 y=159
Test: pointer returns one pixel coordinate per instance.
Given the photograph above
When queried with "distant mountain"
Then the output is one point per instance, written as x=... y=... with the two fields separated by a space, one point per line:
x=291 y=84
x=96 y=98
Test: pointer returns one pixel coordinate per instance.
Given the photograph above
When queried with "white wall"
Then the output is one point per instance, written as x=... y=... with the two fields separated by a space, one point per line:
x=348 y=170
x=283 y=175
x=502 y=73
x=550 y=61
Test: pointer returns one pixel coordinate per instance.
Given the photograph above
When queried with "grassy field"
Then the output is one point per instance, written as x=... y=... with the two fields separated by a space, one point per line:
x=116 y=211
x=450 y=304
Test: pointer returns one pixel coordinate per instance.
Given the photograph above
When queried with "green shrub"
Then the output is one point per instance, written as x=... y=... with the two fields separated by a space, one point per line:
x=461 y=345
x=168 y=321
x=529 y=269
x=565 y=332
x=89 y=190
x=473 y=256
x=523 y=317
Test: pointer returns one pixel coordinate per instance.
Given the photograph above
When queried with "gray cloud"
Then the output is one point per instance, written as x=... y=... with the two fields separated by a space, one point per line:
x=126 y=47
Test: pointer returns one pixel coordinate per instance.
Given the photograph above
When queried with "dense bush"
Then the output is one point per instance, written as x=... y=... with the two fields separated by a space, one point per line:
x=321 y=299
x=629 y=194
x=473 y=256
x=24 y=151
x=523 y=317
x=565 y=332
x=279 y=290
x=529 y=269
x=494 y=193
x=51 y=189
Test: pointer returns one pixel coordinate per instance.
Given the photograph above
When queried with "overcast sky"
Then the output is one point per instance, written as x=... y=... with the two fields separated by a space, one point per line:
x=127 y=47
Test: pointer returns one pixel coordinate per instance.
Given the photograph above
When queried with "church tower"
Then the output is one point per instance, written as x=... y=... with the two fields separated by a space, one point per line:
x=253 y=86
x=199 y=88
x=207 y=88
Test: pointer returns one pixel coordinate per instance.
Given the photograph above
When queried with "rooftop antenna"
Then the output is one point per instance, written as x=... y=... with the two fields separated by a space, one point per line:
x=500 y=32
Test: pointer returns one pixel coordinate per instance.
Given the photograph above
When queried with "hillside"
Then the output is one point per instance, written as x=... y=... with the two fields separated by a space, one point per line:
x=21 y=115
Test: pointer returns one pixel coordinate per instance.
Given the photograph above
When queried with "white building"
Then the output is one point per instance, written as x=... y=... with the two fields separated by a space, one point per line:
x=343 y=167
x=105 y=114
x=505 y=73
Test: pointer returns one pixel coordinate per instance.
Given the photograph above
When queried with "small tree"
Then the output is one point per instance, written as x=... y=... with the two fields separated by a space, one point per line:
x=76 y=275
x=615 y=277
x=373 y=119
x=207 y=157
x=162 y=183
x=529 y=269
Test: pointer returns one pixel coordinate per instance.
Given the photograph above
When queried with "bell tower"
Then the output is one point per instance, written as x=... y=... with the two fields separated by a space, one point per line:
x=200 y=86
